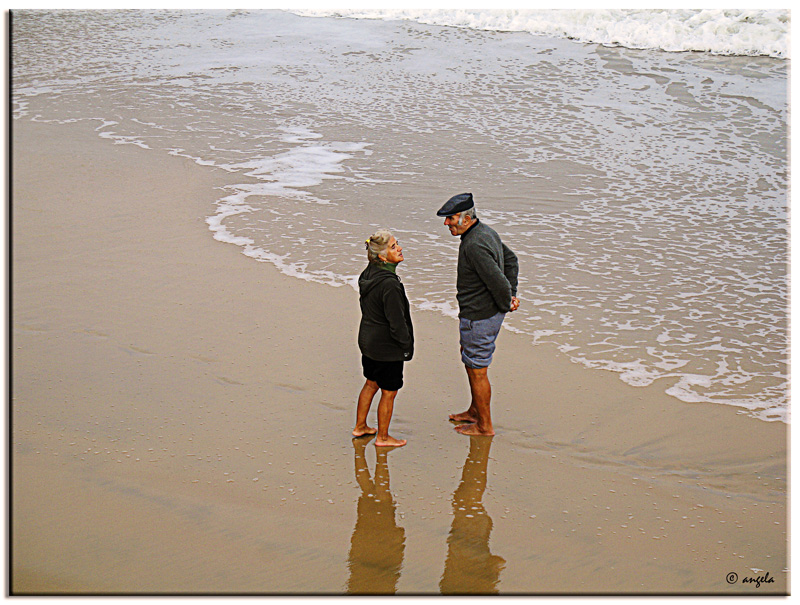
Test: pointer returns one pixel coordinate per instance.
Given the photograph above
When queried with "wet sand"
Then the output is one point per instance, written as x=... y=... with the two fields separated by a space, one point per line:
x=181 y=416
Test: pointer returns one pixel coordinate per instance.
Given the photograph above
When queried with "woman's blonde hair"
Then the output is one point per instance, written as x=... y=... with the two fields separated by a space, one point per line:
x=377 y=245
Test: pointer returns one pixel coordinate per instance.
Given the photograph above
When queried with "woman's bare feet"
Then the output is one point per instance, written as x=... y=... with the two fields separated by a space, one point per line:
x=361 y=431
x=468 y=416
x=389 y=441
x=472 y=429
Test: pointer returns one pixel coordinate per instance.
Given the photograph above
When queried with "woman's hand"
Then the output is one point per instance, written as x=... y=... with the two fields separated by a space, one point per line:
x=514 y=303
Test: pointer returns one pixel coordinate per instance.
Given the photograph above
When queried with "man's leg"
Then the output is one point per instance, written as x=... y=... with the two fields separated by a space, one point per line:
x=471 y=415
x=385 y=409
x=364 y=403
x=477 y=338
x=481 y=403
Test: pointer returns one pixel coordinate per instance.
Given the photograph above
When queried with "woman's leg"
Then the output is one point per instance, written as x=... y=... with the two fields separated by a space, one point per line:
x=364 y=403
x=385 y=410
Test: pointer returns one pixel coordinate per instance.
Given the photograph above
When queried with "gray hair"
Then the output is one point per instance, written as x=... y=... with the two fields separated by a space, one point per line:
x=468 y=213
x=377 y=245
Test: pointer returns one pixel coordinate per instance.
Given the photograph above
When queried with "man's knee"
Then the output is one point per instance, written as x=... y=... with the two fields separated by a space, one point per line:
x=477 y=373
x=471 y=370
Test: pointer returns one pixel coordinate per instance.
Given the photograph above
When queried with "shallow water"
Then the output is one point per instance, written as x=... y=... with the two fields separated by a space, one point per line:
x=644 y=192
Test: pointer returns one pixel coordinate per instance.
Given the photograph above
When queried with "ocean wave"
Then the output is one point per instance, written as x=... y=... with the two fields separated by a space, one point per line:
x=723 y=32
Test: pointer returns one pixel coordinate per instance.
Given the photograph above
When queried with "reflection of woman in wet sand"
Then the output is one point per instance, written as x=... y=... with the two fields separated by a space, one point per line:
x=377 y=545
x=470 y=568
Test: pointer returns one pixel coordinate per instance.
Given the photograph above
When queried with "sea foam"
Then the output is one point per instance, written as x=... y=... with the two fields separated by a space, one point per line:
x=724 y=32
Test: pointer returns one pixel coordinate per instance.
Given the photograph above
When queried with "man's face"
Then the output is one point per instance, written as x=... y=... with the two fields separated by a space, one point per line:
x=451 y=222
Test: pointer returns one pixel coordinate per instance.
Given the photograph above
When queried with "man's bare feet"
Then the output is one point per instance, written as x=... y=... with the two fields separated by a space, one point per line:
x=472 y=429
x=467 y=416
x=389 y=442
x=363 y=431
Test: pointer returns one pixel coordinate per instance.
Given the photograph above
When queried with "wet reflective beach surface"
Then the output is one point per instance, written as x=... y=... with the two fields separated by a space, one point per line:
x=378 y=542
x=470 y=567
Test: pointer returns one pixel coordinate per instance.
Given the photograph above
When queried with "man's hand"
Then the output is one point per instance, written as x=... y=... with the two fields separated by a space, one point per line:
x=514 y=303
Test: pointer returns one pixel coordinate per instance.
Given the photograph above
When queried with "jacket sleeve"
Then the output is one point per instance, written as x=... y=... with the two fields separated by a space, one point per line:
x=394 y=307
x=492 y=275
x=510 y=268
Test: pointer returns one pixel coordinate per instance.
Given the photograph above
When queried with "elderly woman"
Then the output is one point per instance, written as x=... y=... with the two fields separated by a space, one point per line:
x=385 y=336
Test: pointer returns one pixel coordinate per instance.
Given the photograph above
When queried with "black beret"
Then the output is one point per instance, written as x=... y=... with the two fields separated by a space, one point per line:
x=457 y=203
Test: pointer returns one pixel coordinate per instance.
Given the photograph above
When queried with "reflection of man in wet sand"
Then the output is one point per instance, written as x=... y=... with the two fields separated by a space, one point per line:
x=470 y=568
x=377 y=545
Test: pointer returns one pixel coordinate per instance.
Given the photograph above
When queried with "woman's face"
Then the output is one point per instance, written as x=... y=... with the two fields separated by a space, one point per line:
x=394 y=252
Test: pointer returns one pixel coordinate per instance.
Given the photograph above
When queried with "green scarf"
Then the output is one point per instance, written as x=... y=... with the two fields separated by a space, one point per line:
x=390 y=267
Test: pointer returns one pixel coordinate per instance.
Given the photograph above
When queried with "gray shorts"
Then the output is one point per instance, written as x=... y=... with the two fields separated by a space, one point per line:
x=478 y=339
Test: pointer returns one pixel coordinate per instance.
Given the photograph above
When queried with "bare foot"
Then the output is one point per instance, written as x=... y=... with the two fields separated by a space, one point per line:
x=362 y=431
x=464 y=417
x=472 y=429
x=390 y=442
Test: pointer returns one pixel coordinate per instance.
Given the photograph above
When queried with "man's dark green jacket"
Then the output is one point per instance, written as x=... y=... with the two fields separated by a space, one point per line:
x=487 y=274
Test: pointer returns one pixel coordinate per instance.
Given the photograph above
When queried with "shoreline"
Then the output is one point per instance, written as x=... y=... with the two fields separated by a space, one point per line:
x=192 y=408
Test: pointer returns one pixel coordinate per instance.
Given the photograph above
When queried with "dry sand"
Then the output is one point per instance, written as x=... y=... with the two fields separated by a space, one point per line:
x=180 y=421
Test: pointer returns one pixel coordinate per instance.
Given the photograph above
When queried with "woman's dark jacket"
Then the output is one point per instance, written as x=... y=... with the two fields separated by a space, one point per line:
x=385 y=333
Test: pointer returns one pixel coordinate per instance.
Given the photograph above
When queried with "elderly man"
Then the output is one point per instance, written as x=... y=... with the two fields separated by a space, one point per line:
x=486 y=287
